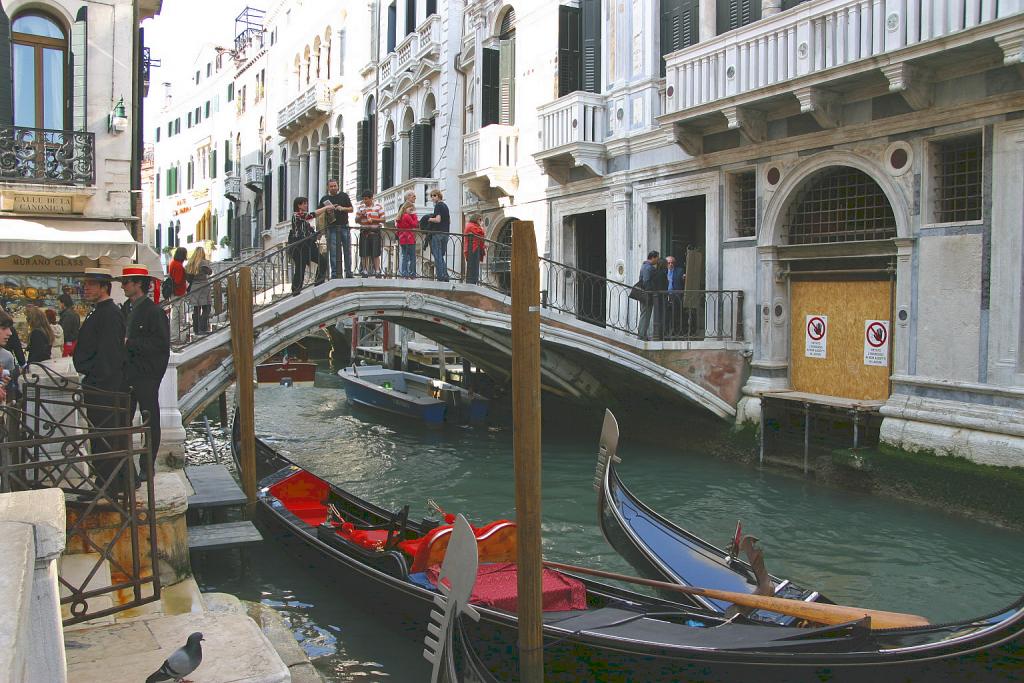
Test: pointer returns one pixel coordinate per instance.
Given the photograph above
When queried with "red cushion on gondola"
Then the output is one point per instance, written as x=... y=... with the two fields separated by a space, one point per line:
x=303 y=494
x=496 y=586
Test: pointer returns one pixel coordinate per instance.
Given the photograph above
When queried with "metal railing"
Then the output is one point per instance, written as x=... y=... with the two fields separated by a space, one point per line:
x=41 y=155
x=62 y=434
x=590 y=298
x=573 y=119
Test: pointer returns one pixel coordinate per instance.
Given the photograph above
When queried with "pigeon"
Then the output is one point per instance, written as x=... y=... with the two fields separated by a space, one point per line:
x=181 y=663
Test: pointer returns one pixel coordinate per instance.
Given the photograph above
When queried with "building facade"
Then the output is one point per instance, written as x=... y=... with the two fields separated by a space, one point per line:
x=72 y=79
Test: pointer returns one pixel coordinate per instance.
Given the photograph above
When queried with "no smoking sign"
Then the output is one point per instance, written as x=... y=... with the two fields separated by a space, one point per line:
x=876 y=342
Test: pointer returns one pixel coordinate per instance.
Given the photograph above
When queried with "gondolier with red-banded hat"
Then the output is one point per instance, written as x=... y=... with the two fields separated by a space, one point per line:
x=147 y=347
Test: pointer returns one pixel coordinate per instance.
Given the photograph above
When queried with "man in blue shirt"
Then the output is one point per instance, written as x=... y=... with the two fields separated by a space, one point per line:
x=674 y=314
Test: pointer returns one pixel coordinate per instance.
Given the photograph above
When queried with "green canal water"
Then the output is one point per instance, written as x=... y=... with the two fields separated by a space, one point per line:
x=857 y=549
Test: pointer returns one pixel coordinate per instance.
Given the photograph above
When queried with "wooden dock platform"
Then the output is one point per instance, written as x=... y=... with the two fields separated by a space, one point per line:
x=216 y=492
x=214 y=487
x=223 y=535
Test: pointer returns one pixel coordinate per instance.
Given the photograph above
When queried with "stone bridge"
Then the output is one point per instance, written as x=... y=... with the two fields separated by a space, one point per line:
x=584 y=361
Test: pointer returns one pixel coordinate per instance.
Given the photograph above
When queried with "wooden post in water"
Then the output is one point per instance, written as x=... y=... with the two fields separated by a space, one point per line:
x=240 y=316
x=526 y=444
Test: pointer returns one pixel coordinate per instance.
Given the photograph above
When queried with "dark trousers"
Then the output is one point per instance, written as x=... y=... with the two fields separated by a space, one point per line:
x=301 y=260
x=473 y=267
x=111 y=474
x=146 y=397
x=201 y=318
x=339 y=246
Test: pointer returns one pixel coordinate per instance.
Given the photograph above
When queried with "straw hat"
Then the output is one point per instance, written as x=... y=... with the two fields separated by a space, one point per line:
x=98 y=274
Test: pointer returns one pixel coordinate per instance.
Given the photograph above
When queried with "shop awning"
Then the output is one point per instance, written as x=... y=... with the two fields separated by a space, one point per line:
x=69 y=239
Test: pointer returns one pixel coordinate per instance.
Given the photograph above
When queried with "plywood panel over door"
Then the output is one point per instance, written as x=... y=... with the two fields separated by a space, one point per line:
x=848 y=305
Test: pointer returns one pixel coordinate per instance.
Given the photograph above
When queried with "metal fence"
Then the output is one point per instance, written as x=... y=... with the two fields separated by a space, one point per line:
x=61 y=434
x=45 y=156
x=591 y=298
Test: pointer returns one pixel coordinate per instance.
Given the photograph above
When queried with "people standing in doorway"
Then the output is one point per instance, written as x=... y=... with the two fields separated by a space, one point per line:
x=369 y=216
x=339 y=236
x=198 y=271
x=147 y=347
x=57 y=349
x=473 y=248
x=439 y=224
x=647 y=285
x=659 y=283
x=406 y=224
x=676 y=275
x=302 y=245
x=99 y=357
x=70 y=322
x=40 y=337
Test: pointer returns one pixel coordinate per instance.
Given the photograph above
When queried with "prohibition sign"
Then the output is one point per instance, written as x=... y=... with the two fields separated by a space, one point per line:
x=815 y=328
x=876 y=335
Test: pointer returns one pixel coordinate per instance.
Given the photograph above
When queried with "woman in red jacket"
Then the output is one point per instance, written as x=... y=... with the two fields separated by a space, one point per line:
x=176 y=270
x=406 y=223
x=473 y=248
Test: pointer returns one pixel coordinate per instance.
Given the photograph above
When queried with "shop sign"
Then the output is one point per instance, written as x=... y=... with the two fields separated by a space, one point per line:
x=39 y=264
x=876 y=342
x=816 y=336
x=42 y=203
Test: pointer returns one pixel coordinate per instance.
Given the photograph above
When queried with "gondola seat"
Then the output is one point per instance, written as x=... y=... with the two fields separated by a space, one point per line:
x=496 y=542
x=303 y=495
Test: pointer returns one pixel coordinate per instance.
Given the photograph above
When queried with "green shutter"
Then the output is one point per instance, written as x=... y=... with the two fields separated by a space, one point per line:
x=387 y=166
x=78 y=70
x=416 y=151
x=362 y=156
x=590 y=74
x=334 y=159
x=428 y=149
x=268 y=201
x=213 y=163
x=568 y=50
x=679 y=23
x=507 y=82
x=489 y=88
x=733 y=14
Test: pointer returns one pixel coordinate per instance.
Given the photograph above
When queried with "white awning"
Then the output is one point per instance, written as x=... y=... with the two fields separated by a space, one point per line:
x=70 y=239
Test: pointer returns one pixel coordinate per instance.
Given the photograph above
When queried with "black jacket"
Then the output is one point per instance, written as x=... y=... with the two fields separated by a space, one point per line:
x=100 y=351
x=39 y=346
x=148 y=345
x=70 y=323
x=15 y=347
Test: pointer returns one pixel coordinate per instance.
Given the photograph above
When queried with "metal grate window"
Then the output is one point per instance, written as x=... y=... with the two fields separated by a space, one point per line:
x=957 y=169
x=840 y=205
x=744 y=202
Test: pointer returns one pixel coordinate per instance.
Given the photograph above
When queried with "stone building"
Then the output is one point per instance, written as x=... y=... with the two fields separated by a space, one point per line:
x=71 y=85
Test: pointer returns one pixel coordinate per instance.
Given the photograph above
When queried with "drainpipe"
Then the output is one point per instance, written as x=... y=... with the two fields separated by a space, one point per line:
x=135 y=196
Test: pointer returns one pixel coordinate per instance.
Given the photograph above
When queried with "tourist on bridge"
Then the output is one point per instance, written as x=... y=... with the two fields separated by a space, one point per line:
x=406 y=224
x=676 y=275
x=339 y=237
x=659 y=284
x=647 y=270
x=370 y=216
x=473 y=248
x=198 y=272
x=302 y=245
x=439 y=224
x=99 y=357
x=70 y=322
x=40 y=337
x=147 y=347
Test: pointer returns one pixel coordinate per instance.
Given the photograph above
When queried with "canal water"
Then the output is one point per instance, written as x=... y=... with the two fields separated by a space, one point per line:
x=857 y=549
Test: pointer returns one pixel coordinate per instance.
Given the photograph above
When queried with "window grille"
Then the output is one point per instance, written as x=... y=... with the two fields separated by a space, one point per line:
x=840 y=205
x=744 y=197
x=957 y=175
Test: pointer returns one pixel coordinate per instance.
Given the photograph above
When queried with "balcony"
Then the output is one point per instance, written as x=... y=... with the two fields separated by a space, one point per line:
x=310 y=105
x=391 y=198
x=233 y=187
x=47 y=157
x=814 y=57
x=490 y=157
x=429 y=44
x=254 y=177
x=572 y=136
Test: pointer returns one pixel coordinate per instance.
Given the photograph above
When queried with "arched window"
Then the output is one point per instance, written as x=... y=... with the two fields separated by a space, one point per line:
x=839 y=204
x=40 y=63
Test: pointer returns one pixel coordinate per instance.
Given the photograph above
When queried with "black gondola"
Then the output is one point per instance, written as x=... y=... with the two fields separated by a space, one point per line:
x=659 y=549
x=619 y=635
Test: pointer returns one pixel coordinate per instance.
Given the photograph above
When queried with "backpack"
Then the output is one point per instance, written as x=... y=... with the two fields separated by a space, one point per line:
x=167 y=288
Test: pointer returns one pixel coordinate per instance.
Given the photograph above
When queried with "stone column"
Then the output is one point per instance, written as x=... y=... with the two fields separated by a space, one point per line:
x=303 y=185
x=313 y=191
x=172 y=433
x=708 y=12
x=323 y=170
x=769 y=7
x=293 y=184
x=401 y=157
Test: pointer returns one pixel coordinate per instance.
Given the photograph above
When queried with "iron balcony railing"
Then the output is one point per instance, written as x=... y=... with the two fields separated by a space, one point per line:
x=672 y=316
x=49 y=438
x=48 y=157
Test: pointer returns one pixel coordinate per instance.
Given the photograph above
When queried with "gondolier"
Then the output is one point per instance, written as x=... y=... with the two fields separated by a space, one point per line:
x=147 y=349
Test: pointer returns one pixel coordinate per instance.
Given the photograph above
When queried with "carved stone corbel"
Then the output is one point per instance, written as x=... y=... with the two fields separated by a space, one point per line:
x=689 y=139
x=914 y=84
x=823 y=105
x=1012 y=46
x=752 y=124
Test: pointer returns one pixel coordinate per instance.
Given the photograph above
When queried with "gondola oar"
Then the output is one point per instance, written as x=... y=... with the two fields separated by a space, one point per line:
x=816 y=612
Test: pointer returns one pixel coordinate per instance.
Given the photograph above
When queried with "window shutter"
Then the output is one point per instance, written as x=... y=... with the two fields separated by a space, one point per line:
x=428 y=149
x=6 y=75
x=334 y=159
x=392 y=20
x=78 y=68
x=568 y=50
x=387 y=166
x=507 y=82
x=410 y=16
x=362 y=156
x=213 y=163
x=590 y=80
x=679 y=21
x=416 y=151
x=268 y=199
x=282 y=193
x=489 y=88
x=431 y=7
x=733 y=14
x=790 y=4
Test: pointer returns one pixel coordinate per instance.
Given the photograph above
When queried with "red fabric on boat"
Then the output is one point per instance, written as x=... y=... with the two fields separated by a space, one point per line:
x=496 y=587
x=303 y=494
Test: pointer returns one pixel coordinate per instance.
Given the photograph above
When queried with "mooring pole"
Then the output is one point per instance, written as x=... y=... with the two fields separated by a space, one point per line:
x=526 y=417
x=240 y=316
x=222 y=408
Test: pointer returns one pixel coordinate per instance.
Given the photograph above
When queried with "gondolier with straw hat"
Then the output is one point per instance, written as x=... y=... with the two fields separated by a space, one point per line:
x=99 y=357
x=147 y=347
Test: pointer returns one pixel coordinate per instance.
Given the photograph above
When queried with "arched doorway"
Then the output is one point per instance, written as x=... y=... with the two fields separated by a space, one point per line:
x=501 y=259
x=838 y=250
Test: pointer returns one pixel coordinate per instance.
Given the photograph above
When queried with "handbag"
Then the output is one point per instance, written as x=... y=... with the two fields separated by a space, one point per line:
x=637 y=293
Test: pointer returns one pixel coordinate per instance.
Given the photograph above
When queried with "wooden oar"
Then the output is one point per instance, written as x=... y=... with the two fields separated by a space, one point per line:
x=817 y=612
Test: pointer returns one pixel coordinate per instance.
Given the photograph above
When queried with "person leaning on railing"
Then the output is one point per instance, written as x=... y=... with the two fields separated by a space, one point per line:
x=473 y=248
x=302 y=246
x=406 y=224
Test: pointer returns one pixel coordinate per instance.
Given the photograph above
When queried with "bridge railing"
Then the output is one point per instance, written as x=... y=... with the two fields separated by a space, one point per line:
x=389 y=254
